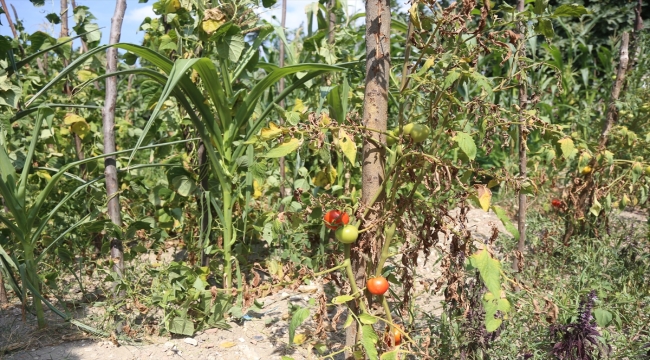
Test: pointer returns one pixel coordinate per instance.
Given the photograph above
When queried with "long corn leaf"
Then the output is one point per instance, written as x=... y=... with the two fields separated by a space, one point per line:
x=246 y=109
x=8 y=178
x=44 y=113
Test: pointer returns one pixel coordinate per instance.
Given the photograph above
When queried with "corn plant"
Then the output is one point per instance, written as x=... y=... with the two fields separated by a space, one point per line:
x=225 y=121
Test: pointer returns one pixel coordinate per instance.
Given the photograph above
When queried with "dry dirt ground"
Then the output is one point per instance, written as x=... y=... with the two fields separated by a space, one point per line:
x=263 y=336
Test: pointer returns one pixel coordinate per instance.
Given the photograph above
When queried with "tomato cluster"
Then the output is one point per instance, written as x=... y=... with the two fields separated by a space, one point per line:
x=338 y=220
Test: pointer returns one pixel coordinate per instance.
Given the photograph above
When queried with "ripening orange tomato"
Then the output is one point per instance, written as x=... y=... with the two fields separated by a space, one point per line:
x=335 y=218
x=377 y=285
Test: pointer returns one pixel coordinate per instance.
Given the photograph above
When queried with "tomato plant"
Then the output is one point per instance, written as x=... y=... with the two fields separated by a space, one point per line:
x=377 y=285
x=335 y=218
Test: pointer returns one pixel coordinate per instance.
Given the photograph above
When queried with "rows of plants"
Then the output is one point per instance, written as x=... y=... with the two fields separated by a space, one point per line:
x=255 y=148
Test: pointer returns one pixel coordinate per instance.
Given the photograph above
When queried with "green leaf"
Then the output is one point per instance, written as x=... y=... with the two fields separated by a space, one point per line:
x=482 y=81
x=545 y=27
x=231 y=47
x=490 y=270
x=492 y=305
x=369 y=341
x=296 y=320
x=466 y=144
x=451 y=78
x=268 y=3
x=389 y=355
x=570 y=10
x=603 y=317
x=595 y=208
x=348 y=321
x=337 y=99
x=367 y=319
x=181 y=326
x=568 y=148
x=505 y=220
x=284 y=149
x=540 y=6
x=184 y=185
x=342 y=299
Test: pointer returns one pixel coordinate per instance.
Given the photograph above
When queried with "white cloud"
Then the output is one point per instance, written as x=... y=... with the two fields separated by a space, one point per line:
x=138 y=14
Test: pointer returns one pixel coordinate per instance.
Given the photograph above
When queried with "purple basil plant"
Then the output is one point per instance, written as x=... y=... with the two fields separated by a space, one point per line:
x=578 y=340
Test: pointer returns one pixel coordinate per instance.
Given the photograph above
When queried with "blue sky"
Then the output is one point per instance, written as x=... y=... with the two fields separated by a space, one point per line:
x=34 y=17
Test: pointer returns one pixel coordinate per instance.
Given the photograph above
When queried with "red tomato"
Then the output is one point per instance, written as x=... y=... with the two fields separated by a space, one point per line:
x=334 y=218
x=556 y=203
x=377 y=285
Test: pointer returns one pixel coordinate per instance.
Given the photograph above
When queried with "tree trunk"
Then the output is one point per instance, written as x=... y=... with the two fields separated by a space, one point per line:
x=108 y=123
x=635 y=48
x=375 y=116
x=612 y=113
x=522 y=134
x=283 y=21
x=11 y=23
x=67 y=87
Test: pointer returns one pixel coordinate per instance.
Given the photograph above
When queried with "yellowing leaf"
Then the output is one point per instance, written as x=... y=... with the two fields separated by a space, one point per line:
x=321 y=179
x=85 y=75
x=299 y=339
x=70 y=119
x=489 y=268
x=347 y=146
x=227 y=344
x=210 y=26
x=44 y=174
x=257 y=189
x=299 y=106
x=414 y=16
x=484 y=196
x=172 y=6
x=285 y=148
x=271 y=132
x=80 y=128
x=568 y=148
x=325 y=120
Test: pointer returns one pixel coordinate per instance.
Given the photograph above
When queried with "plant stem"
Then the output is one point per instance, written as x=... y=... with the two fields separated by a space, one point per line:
x=32 y=277
x=385 y=249
x=353 y=284
x=227 y=234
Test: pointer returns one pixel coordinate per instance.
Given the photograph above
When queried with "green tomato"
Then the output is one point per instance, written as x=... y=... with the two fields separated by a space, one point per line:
x=347 y=234
x=390 y=140
x=407 y=128
x=647 y=171
x=419 y=133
